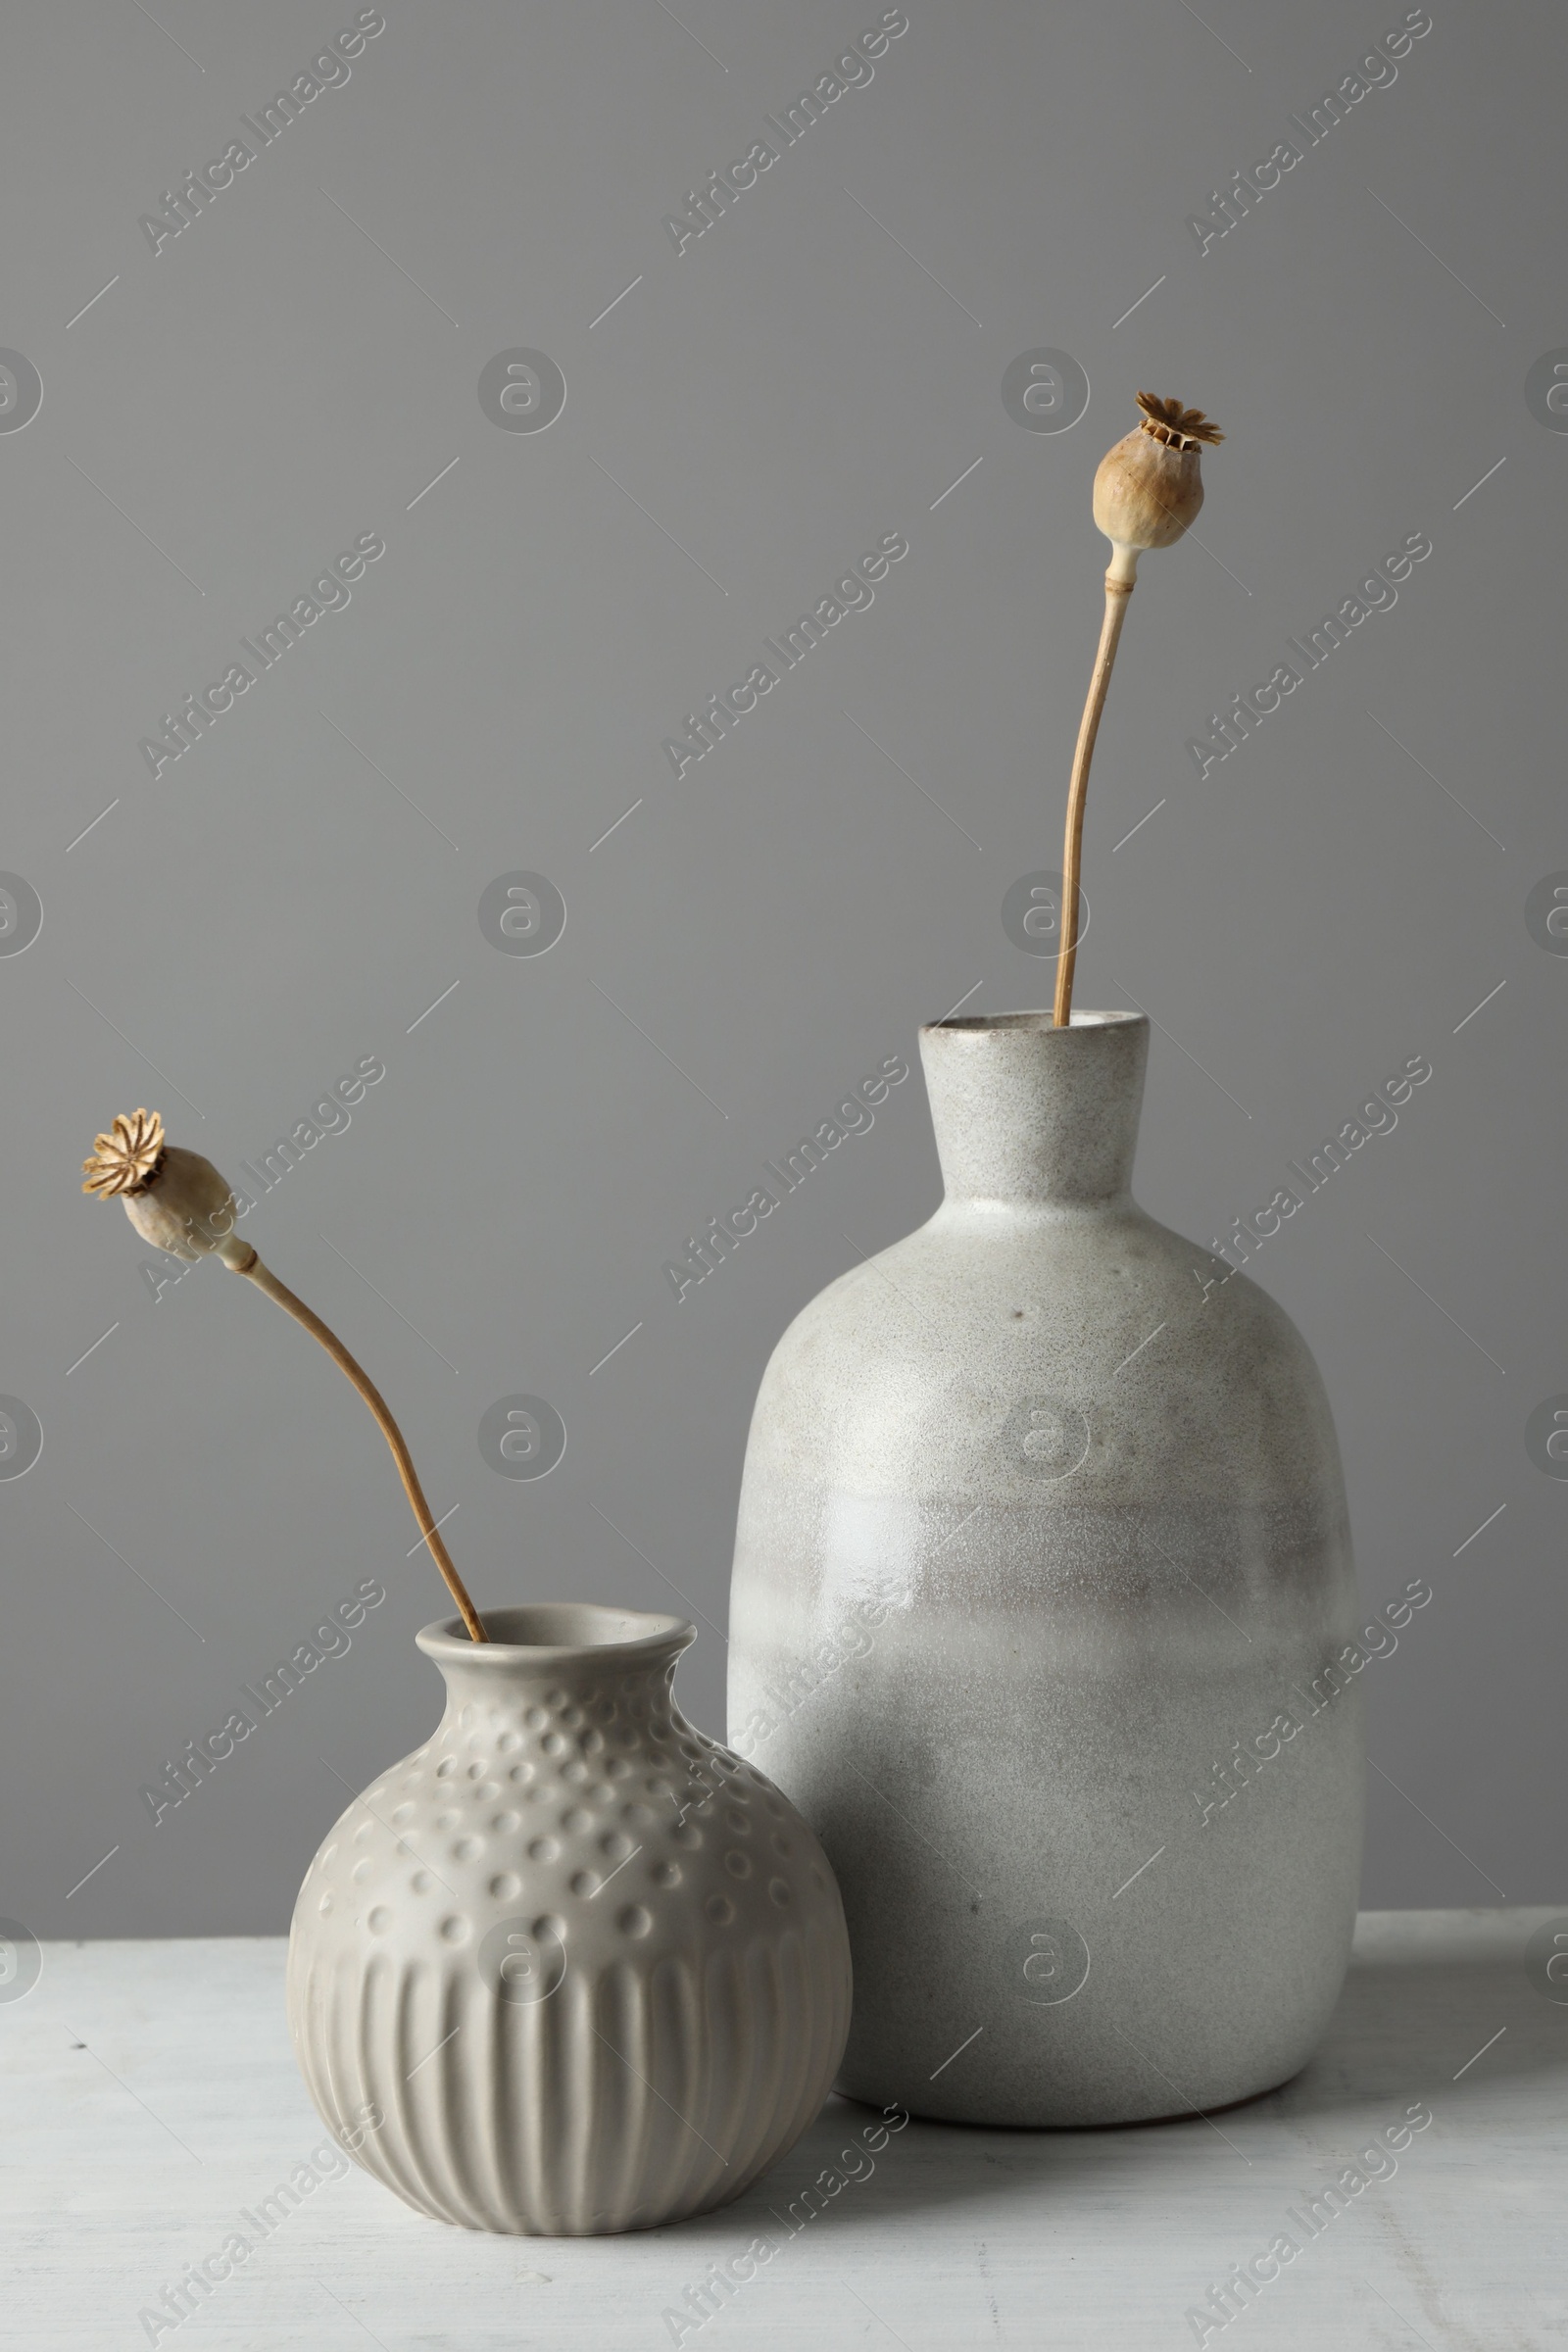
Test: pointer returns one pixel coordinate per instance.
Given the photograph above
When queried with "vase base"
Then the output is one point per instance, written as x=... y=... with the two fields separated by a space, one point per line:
x=1121 y=2109
x=516 y=2223
x=980 y=2116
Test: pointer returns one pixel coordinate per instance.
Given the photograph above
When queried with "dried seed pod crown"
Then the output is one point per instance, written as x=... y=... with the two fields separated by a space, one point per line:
x=1182 y=428
x=122 y=1160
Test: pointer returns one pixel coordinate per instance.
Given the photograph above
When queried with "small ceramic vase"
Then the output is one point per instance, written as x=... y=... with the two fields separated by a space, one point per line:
x=1044 y=1614
x=571 y=1967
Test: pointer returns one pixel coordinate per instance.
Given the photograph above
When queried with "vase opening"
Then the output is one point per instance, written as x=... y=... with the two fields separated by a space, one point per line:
x=1045 y=1019
x=549 y=1633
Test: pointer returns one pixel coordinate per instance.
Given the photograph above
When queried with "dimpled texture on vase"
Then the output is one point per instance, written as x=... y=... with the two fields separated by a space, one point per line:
x=571 y=1967
x=1042 y=1596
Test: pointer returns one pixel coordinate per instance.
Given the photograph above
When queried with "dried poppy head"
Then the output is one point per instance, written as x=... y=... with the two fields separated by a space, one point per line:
x=175 y=1200
x=1149 y=487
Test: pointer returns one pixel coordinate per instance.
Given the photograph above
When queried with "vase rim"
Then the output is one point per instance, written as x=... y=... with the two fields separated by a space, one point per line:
x=556 y=1633
x=977 y=1023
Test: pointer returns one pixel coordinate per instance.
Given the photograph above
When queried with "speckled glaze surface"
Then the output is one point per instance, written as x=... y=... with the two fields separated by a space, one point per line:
x=1043 y=1584
x=571 y=1967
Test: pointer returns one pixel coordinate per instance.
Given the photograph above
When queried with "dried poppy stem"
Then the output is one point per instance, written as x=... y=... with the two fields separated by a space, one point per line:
x=280 y=1294
x=180 y=1203
x=1118 y=588
x=1148 y=489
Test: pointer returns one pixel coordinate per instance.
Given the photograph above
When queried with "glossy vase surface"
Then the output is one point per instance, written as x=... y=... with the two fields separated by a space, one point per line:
x=1043 y=1614
x=571 y=1967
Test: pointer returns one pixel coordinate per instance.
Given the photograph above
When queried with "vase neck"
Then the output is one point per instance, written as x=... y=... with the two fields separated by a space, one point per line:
x=1026 y=1112
x=555 y=1654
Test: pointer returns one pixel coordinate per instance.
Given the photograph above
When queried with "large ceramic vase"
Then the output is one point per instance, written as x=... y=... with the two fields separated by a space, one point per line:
x=571 y=1967
x=1044 y=1615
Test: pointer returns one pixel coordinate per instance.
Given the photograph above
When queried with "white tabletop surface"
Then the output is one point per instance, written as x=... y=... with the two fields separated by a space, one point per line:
x=150 y=2096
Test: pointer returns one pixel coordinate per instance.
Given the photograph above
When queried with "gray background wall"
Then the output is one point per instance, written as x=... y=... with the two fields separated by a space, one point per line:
x=301 y=885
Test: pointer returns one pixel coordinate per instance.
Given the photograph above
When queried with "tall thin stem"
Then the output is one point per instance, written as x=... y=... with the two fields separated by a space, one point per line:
x=279 y=1292
x=1119 y=583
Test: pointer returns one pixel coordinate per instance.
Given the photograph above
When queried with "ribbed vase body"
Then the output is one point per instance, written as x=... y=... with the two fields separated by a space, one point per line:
x=571 y=1967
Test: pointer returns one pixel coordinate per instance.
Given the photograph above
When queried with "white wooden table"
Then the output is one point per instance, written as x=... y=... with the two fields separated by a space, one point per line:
x=150 y=2096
